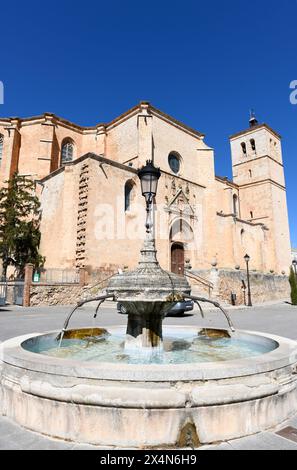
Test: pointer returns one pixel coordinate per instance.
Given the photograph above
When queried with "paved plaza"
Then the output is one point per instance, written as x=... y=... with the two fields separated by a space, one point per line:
x=274 y=318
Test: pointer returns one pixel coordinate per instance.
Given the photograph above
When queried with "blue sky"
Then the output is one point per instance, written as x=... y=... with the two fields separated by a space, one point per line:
x=204 y=62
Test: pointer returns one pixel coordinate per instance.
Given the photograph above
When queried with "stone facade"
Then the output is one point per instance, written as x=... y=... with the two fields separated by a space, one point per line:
x=264 y=287
x=85 y=222
x=55 y=294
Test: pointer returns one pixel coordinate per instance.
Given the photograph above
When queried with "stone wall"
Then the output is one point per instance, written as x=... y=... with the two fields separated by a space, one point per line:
x=55 y=294
x=264 y=287
x=69 y=294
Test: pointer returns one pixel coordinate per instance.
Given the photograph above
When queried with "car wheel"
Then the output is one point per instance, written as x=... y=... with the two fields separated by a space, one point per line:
x=122 y=310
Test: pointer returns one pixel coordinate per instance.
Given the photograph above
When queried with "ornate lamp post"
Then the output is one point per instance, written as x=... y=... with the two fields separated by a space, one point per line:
x=149 y=176
x=247 y=260
x=294 y=263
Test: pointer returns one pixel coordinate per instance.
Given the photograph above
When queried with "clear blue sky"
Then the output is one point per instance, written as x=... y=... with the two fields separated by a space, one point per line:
x=204 y=62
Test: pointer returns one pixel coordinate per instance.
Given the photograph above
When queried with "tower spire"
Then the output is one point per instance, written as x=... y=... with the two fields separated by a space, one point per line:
x=253 y=121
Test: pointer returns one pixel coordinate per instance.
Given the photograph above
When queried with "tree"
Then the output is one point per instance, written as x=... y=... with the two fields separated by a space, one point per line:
x=293 y=283
x=19 y=225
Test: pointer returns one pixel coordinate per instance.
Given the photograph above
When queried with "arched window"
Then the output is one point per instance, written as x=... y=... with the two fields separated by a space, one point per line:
x=235 y=204
x=174 y=162
x=1 y=146
x=67 y=151
x=128 y=194
x=242 y=233
x=253 y=145
x=181 y=231
x=243 y=146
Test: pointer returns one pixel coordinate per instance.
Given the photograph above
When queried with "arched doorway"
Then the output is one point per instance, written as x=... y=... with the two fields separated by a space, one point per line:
x=177 y=258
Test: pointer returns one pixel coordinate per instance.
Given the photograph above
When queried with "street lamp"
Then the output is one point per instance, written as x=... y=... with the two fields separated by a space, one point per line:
x=294 y=263
x=149 y=176
x=247 y=260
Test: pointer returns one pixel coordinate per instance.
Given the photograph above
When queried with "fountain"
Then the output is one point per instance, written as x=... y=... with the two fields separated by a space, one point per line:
x=149 y=385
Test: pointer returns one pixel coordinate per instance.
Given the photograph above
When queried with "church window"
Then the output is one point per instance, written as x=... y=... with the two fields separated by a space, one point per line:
x=174 y=162
x=67 y=151
x=243 y=146
x=235 y=205
x=128 y=194
x=252 y=214
x=253 y=145
x=1 y=146
x=250 y=173
x=242 y=235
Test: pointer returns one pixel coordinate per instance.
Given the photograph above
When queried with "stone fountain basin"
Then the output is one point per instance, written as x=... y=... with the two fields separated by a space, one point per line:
x=149 y=405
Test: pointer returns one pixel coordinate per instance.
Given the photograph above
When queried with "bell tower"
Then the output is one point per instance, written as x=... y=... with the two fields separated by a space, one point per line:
x=257 y=167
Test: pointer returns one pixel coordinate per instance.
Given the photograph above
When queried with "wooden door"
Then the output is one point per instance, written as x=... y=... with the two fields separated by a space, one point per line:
x=177 y=258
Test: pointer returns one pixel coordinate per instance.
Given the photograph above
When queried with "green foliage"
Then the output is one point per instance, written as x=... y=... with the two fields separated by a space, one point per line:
x=19 y=225
x=293 y=283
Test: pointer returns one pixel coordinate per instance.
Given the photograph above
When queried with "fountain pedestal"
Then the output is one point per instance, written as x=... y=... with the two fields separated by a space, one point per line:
x=144 y=333
x=144 y=326
x=147 y=294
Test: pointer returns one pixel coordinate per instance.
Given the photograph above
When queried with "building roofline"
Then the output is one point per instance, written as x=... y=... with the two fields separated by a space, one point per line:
x=243 y=221
x=130 y=112
x=225 y=180
x=252 y=129
x=93 y=156
x=5 y=120
x=157 y=111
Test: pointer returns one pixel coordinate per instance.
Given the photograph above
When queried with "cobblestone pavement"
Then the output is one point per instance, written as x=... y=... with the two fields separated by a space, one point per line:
x=274 y=318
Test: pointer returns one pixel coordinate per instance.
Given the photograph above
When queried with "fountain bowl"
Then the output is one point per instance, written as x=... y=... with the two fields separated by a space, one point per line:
x=148 y=405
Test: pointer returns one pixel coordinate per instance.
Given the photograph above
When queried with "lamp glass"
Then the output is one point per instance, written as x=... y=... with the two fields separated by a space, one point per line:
x=149 y=176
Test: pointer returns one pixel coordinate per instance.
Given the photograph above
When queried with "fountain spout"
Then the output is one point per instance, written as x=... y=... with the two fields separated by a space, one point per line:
x=197 y=300
x=101 y=299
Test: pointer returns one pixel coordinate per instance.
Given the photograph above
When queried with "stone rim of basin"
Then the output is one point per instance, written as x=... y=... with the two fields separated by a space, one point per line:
x=284 y=355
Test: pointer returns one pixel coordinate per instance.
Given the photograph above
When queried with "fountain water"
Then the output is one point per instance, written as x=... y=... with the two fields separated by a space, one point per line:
x=148 y=386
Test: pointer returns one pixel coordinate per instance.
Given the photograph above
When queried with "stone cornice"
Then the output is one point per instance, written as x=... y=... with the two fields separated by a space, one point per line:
x=256 y=183
x=4 y=121
x=92 y=156
x=250 y=160
x=177 y=123
x=121 y=166
x=255 y=128
x=146 y=108
x=237 y=219
x=183 y=179
x=118 y=120
x=220 y=179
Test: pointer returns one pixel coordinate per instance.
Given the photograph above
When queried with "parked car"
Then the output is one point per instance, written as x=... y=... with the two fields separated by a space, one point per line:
x=178 y=309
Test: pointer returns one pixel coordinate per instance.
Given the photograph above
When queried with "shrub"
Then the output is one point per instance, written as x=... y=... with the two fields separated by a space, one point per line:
x=293 y=283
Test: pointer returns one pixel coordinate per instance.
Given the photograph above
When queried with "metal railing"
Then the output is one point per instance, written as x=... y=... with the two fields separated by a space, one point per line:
x=200 y=280
x=59 y=276
x=3 y=293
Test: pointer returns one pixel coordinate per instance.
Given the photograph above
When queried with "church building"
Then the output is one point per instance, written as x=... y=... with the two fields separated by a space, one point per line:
x=93 y=211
